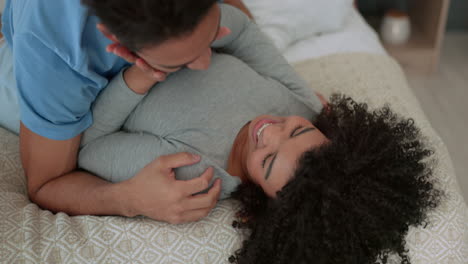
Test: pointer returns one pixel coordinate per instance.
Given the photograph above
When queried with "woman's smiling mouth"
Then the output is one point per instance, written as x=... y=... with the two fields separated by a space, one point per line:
x=260 y=126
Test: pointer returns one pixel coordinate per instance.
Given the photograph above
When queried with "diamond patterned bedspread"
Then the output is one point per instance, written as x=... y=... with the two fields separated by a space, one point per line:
x=31 y=235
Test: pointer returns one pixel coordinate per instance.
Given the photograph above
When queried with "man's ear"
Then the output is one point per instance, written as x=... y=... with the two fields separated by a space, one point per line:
x=101 y=27
x=223 y=32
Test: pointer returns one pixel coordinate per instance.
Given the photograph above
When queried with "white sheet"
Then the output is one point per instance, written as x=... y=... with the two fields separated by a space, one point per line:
x=285 y=22
x=356 y=36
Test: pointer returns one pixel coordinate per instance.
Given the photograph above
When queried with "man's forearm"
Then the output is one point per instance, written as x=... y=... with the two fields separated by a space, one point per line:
x=81 y=193
x=239 y=4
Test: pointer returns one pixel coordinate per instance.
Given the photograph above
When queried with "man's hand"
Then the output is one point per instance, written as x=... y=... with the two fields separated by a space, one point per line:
x=154 y=192
x=123 y=52
x=54 y=183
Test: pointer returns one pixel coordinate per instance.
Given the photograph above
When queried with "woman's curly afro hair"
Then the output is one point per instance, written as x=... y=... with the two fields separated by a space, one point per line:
x=351 y=200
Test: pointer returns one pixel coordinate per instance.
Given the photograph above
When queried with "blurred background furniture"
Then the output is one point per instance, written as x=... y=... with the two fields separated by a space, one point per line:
x=428 y=22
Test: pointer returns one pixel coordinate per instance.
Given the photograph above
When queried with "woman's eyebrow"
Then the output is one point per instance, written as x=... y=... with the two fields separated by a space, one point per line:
x=305 y=131
x=267 y=174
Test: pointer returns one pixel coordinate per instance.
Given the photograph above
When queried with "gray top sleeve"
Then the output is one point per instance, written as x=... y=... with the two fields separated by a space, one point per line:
x=120 y=156
x=111 y=109
x=249 y=44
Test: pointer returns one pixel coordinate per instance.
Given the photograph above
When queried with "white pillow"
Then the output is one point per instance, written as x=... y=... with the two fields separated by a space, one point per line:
x=286 y=21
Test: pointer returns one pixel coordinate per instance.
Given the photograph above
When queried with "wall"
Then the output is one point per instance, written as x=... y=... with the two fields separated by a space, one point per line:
x=458 y=18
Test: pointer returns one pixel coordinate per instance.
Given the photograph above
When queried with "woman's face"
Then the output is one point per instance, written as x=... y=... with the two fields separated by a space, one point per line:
x=270 y=146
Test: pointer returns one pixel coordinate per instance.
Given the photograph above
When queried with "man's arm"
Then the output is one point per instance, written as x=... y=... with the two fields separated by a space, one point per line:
x=56 y=185
x=54 y=182
x=239 y=4
x=71 y=190
x=50 y=165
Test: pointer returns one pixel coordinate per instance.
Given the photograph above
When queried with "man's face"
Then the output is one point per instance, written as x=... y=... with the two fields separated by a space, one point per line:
x=191 y=50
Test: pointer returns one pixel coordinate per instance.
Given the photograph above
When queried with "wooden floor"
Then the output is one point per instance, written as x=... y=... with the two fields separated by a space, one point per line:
x=444 y=98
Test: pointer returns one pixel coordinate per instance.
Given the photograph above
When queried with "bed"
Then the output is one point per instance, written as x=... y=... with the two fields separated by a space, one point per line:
x=349 y=60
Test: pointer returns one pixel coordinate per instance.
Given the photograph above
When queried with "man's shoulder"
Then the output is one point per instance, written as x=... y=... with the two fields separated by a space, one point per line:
x=61 y=26
x=45 y=15
x=66 y=29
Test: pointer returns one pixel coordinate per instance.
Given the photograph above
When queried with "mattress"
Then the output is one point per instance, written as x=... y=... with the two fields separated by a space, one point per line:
x=355 y=36
x=29 y=234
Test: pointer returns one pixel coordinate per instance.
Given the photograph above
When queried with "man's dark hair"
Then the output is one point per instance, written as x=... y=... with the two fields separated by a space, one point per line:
x=351 y=200
x=139 y=23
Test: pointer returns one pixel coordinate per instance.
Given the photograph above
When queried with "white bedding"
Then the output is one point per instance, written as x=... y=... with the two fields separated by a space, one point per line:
x=285 y=22
x=356 y=36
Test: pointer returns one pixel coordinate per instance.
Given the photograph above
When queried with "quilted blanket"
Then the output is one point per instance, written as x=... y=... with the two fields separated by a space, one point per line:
x=29 y=234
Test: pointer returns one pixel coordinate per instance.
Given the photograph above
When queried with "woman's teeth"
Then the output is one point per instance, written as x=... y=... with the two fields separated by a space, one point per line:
x=261 y=129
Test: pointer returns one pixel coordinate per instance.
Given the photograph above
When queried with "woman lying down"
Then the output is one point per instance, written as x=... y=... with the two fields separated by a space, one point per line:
x=340 y=184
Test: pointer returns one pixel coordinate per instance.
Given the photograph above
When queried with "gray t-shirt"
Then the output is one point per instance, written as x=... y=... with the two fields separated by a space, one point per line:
x=196 y=111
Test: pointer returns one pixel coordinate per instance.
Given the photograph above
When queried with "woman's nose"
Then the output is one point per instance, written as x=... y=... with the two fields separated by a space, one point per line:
x=272 y=135
x=202 y=62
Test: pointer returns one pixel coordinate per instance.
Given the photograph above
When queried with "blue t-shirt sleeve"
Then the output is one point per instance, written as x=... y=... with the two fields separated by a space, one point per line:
x=55 y=100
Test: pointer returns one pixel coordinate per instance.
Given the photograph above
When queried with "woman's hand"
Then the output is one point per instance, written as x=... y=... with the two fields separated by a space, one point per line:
x=140 y=81
x=154 y=192
x=322 y=100
x=239 y=4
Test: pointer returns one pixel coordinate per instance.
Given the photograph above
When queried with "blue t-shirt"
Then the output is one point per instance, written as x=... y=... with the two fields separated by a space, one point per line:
x=60 y=64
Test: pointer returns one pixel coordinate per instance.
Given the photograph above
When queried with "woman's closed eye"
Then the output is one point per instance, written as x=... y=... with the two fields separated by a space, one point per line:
x=265 y=159
x=293 y=132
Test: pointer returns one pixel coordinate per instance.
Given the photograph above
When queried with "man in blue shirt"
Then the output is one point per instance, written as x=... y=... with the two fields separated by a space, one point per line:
x=60 y=66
